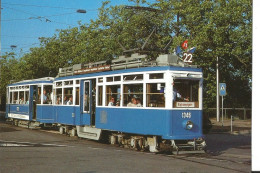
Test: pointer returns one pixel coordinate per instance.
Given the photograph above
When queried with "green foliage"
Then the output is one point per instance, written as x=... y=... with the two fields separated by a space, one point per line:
x=220 y=28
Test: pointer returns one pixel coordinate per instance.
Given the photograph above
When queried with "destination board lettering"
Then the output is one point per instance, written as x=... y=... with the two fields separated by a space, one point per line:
x=93 y=69
x=185 y=104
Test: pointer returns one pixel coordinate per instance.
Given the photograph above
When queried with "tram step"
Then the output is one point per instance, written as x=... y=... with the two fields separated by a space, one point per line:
x=88 y=132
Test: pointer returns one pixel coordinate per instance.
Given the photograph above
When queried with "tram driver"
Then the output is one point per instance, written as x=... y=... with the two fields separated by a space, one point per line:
x=176 y=94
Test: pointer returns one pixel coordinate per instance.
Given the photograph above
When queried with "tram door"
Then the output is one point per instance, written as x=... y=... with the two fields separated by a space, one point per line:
x=87 y=103
x=32 y=101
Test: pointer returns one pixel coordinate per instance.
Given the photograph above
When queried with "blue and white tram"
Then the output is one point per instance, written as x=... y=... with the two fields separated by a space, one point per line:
x=144 y=106
x=29 y=102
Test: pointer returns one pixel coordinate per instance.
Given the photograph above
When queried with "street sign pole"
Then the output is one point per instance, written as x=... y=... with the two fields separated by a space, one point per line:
x=222 y=109
x=222 y=93
x=217 y=113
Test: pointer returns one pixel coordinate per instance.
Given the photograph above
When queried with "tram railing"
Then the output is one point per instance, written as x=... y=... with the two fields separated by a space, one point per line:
x=239 y=113
x=122 y=62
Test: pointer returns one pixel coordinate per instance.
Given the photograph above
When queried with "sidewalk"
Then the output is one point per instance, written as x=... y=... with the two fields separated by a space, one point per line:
x=238 y=126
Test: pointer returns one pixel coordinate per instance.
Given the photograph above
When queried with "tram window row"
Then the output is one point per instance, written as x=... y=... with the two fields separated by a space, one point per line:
x=135 y=90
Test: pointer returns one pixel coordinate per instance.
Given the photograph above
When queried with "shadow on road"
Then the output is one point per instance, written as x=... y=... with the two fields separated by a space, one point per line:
x=7 y=129
x=218 y=143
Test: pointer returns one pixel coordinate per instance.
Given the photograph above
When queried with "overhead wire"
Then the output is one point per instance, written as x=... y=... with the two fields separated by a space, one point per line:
x=16 y=36
x=37 y=17
x=45 y=6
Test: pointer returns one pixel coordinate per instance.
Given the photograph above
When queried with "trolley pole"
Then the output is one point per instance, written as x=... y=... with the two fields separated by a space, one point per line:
x=217 y=113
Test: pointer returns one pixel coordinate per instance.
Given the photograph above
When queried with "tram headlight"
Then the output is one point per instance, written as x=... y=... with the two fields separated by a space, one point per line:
x=188 y=125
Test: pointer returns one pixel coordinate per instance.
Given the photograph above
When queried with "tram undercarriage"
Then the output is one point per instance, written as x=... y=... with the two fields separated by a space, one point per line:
x=155 y=144
x=152 y=144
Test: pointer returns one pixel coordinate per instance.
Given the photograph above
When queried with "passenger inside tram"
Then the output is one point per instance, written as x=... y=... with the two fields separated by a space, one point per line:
x=58 y=101
x=65 y=100
x=138 y=102
x=70 y=101
x=50 y=96
x=45 y=100
x=133 y=103
x=111 y=102
x=21 y=101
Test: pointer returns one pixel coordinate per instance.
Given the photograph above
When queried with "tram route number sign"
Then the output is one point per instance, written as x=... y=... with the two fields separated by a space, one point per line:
x=187 y=57
x=222 y=89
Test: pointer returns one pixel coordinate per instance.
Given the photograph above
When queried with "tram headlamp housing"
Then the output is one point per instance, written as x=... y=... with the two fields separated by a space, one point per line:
x=188 y=125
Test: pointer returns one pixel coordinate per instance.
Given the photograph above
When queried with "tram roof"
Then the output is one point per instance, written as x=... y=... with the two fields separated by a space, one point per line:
x=132 y=70
x=33 y=81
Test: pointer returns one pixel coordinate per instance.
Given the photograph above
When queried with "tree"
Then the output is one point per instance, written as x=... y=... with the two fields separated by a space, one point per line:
x=220 y=28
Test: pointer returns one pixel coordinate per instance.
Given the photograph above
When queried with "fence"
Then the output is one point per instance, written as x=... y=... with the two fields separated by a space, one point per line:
x=241 y=113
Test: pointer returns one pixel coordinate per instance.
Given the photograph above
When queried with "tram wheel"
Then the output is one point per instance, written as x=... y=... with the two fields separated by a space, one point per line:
x=61 y=130
x=73 y=132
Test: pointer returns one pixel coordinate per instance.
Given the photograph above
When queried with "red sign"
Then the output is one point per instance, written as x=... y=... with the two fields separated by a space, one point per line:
x=185 y=44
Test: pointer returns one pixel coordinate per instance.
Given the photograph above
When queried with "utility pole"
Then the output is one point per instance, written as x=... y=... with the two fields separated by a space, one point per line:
x=0 y=30
x=217 y=90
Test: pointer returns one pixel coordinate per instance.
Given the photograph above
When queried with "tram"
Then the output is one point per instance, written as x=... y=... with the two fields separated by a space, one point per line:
x=130 y=101
x=25 y=104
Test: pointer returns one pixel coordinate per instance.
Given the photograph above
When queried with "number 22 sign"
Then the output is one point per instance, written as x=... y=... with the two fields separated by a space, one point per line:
x=187 y=57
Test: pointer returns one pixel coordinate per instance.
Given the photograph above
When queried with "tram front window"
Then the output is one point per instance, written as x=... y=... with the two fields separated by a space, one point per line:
x=185 y=93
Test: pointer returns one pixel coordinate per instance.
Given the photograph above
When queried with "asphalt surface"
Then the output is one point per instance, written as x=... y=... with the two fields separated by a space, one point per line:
x=26 y=150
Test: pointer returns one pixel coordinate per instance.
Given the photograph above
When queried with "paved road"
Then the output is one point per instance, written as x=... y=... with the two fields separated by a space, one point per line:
x=25 y=150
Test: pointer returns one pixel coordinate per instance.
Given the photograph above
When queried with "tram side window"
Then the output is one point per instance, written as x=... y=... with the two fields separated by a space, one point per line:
x=185 y=93
x=155 y=95
x=47 y=94
x=26 y=98
x=113 y=95
x=156 y=76
x=21 y=97
x=77 y=96
x=58 y=96
x=16 y=101
x=39 y=95
x=100 y=95
x=133 y=95
x=68 y=98
x=11 y=98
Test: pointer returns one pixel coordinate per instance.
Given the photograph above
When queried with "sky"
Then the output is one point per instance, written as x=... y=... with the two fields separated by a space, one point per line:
x=24 y=21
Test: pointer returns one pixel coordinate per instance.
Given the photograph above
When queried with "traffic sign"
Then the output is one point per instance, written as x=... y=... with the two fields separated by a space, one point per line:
x=222 y=89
